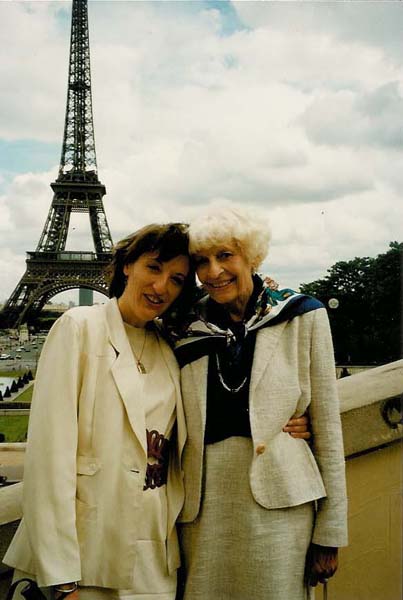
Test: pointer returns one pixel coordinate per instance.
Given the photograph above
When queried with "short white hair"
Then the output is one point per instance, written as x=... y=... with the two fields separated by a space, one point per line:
x=231 y=224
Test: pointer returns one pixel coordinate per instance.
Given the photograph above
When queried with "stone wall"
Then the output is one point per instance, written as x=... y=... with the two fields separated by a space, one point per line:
x=370 y=567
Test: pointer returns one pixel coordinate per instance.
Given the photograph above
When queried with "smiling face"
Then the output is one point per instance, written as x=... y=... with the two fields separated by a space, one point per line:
x=227 y=277
x=152 y=286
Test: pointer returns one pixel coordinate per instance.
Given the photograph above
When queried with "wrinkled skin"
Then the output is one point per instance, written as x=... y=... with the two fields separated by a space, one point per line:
x=321 y=564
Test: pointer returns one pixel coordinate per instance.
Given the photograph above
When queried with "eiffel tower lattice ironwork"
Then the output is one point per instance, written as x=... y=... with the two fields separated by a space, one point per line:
x=51 y=269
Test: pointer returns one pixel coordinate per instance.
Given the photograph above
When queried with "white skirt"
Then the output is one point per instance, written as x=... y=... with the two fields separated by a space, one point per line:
x=236 y=549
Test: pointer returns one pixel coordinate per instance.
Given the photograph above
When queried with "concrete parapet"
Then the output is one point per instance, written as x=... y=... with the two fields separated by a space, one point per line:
x=370 y=405
x=370 y=567
x=10 y=503
x=370 y=386
x=13 y=447
x=12 y=462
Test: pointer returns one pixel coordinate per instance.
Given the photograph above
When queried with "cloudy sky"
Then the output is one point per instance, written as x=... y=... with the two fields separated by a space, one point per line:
x=292 y=108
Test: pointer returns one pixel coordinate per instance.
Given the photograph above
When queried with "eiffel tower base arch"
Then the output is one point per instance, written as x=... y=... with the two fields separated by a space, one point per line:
x=44 y=278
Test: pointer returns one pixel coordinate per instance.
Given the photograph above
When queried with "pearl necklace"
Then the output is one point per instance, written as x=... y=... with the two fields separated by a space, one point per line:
x=221 y=378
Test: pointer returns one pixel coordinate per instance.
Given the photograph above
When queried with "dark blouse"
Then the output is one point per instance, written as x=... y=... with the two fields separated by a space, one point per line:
x=228 y=412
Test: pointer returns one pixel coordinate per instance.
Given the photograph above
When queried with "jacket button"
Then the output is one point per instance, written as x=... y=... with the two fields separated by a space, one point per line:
x=260 y=448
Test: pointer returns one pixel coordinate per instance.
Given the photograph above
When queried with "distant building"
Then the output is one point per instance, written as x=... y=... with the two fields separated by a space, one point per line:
x=85 y=297
x=61 y=307
x=23 y=333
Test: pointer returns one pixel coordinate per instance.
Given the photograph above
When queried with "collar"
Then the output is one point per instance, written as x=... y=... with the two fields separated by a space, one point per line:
x=116 y=328
x=268 y=306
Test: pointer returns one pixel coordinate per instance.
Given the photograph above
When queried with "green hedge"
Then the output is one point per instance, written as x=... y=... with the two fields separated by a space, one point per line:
x=14 y=427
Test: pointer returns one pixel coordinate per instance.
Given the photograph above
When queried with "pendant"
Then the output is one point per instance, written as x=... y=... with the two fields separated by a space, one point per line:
x=141 y=368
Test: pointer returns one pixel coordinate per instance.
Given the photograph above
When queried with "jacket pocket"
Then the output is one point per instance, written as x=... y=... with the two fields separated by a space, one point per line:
x=286 y=474
x=87 y=467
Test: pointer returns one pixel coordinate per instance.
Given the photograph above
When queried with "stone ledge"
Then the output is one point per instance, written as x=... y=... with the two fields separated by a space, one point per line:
x=13 y=447
x=362 y=402
x=370 y=386
x=10 y=503
x=362 y=398
x=365 y=429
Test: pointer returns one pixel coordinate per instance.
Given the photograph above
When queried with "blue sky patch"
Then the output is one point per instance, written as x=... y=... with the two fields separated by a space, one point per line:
x=63 y=17
x=21 y=156
x=230 y=21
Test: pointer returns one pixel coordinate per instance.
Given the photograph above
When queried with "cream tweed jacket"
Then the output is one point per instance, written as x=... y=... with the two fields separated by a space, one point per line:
x=86 y=458
x=293 y=371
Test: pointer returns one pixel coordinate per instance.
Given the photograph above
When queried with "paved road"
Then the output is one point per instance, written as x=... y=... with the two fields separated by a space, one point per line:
x=26 y=358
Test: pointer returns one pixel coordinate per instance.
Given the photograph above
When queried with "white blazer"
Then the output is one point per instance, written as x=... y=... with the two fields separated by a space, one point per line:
x=293 y=370
x=86 y=456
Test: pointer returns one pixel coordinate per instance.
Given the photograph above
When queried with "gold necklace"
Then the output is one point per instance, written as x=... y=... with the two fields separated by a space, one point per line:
x=140 y=366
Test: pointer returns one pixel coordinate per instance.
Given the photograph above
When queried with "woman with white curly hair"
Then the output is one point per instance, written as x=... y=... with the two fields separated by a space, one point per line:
x=264 y=513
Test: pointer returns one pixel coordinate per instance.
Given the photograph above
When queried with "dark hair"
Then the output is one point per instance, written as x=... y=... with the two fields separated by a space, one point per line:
x=169 y=240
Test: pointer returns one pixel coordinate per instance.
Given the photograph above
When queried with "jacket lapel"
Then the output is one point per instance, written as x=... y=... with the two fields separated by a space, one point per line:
x=266 y=343
x=199 y=369
x=124 y=371
x=173 y=368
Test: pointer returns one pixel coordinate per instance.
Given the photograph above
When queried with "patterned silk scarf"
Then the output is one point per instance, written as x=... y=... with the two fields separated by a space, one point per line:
x=272 y=306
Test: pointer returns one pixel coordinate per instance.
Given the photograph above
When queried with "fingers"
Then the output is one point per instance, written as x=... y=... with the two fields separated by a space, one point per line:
x=318 y=575
x=313 y=580
x=302 y=436
x=297 y=427
x=321 y=564
x=300 y=422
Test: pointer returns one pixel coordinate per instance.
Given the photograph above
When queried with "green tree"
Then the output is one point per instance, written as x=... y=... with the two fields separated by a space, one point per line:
x=366 y=324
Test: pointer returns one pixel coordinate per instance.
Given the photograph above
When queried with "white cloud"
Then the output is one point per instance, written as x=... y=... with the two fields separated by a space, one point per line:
x=355 y=119
x=298 y=114
x=32 y=70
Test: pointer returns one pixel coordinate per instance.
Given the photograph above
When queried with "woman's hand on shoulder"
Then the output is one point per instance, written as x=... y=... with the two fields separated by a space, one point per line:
x=299 y=427
x=321 y=564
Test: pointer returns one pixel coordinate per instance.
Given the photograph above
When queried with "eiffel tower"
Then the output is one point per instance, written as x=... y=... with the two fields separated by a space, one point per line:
x=51 y=269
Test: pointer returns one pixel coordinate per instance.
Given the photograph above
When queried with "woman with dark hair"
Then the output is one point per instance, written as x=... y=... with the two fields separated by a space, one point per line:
x=102 y=482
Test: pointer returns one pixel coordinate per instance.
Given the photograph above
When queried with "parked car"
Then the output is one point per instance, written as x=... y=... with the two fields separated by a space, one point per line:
x=4 y=356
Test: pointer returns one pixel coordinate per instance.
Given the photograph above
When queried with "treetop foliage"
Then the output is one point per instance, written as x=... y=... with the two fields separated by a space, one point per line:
x=366 y=324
